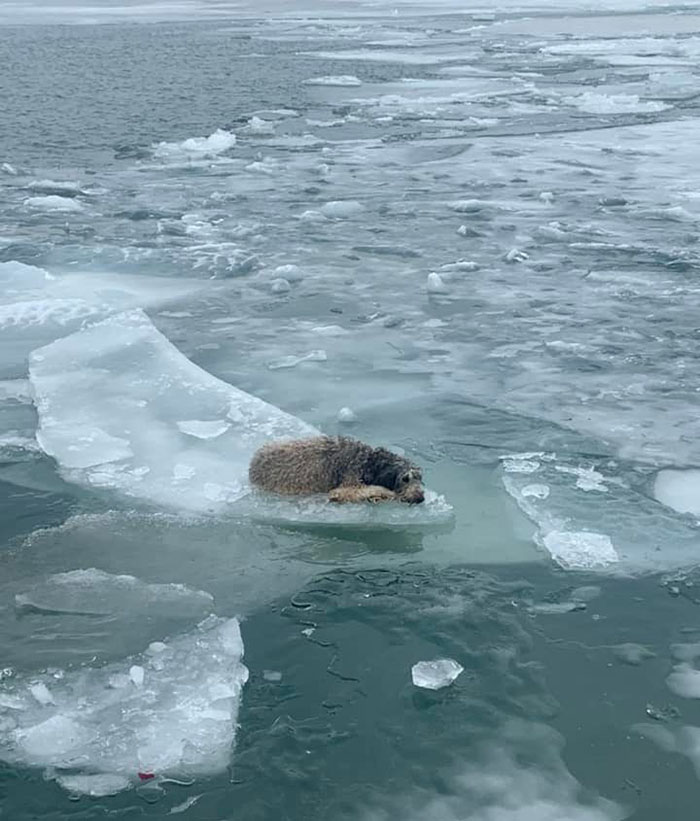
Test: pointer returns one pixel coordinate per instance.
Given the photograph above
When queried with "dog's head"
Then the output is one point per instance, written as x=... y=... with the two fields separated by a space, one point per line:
x=396 y=473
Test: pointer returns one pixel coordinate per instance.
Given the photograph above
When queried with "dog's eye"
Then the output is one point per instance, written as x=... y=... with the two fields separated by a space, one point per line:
x=405 y=478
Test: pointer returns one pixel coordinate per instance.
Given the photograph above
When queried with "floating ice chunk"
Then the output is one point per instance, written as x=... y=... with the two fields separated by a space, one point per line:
x=182 y=723
x=280 y=286
x=292 y=273
x=97 y=786
x=595 y=103
x=633 y=654
x=535 y=491
x=436 y=285
x=686 y=652
x=679 y=490
x=137 y=674
x=8 y=169
x=580 y=550
x=462 y=265
x=62 y=189
x=588 y=479
x=272 y=675
x=256 y=125
x=313 y=216
x=684 y=681
x=546 y=196
x=209 y=429
x=94 y=592
x=469 y=206
x=520 y=464
x=334 y=80
x=434 y=675
x=53 y=202
x=515 y=255
x=342 y=209
x=196 y=148
x=122 y=377
x=557 y=608
x=347 y=416
x=41 y=693
x=318 y=355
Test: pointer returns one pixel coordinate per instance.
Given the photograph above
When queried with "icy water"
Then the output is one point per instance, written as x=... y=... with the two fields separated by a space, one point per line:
x=471 y=236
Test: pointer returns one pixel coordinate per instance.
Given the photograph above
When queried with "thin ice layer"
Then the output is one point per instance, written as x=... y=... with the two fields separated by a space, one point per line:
x=171 y=711
x=94 y=592
x=121 y=408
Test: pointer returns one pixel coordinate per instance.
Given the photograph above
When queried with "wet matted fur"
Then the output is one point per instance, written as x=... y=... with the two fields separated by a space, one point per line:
x=346 y=469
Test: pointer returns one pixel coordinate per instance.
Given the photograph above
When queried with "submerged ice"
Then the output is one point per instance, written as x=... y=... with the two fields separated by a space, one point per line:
x=170 y=712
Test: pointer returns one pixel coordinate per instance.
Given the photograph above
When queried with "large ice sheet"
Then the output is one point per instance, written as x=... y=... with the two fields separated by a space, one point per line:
x=171 y=711
x=121 y=408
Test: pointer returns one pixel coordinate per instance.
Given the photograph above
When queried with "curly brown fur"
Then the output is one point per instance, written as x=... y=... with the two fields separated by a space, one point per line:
x=346 y=469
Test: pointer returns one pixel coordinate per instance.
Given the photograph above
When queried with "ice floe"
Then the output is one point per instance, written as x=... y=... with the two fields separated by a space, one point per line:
x=170 y=712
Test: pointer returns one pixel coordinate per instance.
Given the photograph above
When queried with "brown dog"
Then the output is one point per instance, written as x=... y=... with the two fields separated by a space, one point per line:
x=346 y=469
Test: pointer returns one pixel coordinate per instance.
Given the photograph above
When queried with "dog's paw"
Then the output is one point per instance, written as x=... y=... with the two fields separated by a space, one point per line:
x=375 y=494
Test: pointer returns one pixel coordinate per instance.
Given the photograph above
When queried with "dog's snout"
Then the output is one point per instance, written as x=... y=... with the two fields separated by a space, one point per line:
x=413 y=495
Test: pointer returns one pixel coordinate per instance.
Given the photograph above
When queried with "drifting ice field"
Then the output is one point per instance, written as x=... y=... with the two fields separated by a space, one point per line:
x=470 y=235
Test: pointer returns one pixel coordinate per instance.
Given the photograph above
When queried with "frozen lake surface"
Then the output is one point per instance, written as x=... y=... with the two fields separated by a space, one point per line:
x=468 y=235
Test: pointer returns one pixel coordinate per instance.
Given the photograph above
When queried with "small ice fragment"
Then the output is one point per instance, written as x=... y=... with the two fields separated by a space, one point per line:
x=347 y=416
x=156 y=647
x=535 y=491
x=293 y=361
x=334 y=80
x=292 y=273
x=684 y=681
x=468 y=206
x=583 y=549
x=585 y=593
x=436 y=284
x=436 y=674
x=517 y=465
x=136 y=674
x=515 y=255
x=272 y=675
x=685 y=652
x=342 y=209
x=462 y=265
x=546 y=196
x=200 y=429
x=97 y=786
x=312 y=216
x=53 y=202
x=633 y=654
x=256 y=125
x=557 y=608
x=308 y=631
x=42 y=693
x=9 y=169
x=280 y=286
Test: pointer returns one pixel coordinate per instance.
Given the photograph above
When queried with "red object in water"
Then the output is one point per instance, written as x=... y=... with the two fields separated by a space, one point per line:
x=146 y=776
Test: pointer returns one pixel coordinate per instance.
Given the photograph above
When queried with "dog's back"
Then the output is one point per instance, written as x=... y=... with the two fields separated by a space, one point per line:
x=301 y=466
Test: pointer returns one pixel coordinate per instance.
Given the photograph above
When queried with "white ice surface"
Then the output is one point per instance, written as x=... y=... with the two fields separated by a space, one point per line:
x=436 y=674
x=195 y=148
x=101 y=729
x=120 y=408
x=679 y=490
x=54 y=202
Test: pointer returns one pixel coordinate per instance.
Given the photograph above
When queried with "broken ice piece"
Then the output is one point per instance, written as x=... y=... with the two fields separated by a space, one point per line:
x=347 y=415
x=201 y=429
x=272 y=675
x=136 y=674
x=436 y=674
x=41 y=693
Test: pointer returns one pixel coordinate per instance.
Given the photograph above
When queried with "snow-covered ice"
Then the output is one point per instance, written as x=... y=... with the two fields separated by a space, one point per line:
x=679 y=489
x=170 y=714
x=435 y=674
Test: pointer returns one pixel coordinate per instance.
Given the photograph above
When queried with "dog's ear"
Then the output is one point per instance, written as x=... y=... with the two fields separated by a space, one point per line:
x=381 y=468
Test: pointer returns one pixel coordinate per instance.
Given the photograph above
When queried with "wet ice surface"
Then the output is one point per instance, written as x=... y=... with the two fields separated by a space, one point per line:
x=471 y=236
